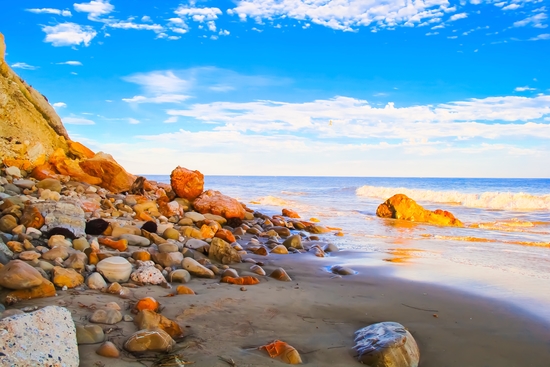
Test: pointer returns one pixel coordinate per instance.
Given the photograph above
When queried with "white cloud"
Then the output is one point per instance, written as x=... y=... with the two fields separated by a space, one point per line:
x=224 y=32
x=133 y=121
x=131 y=25
x=534 y=21
x=72 y=120
x=72 y=63
x=432 y=33
x=345 y=15
x=163 y=98
x=198 y=14
x=171 y=120
x=23 y=65
x=523 y=89
x=69 y=34
x=174 y=38
x=212 y=26
x=95 y=8
x=221 y=88
x=511 y=7
x=146 y=18
x=178 y=30
x=544 y=36
x=458 y=16
x=159 y=82
x=65 y=13
x=59 y=105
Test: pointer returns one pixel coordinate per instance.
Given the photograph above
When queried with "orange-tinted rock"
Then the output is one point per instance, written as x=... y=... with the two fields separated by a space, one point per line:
x=400 y=206
x=32 y=217
x=186 y=183
x=43 y=171
x=113 y=176
x=246 y=280
x=181 y=289
x=120 y=245
x=46 y=289
x=147 y=303
x=22 y=164
x=66 y=277
x=151 y=320
x=141 y=255
x=225 y=235
x=18 y=274
x=108 y=349
x=206 y=231
x=214 y=202
x=290 y=213
x=156 y=340
x=70 y=167
x=79 y=150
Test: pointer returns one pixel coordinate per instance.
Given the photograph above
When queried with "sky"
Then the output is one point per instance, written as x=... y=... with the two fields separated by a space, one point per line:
x=434 y=88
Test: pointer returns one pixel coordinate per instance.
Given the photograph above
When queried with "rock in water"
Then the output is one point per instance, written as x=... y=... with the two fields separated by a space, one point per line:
x=386 y=344
x=400 y=206
x=214 y=202
x=46 y=337
x=187 y=184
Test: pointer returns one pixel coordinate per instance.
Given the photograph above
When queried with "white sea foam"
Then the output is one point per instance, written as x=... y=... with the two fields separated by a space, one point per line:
x=272 y=200
x=488 y=200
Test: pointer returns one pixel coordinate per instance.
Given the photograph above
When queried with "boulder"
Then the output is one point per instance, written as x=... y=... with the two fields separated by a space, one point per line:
x=196 y=269
x=386 y=344
x=214 y=202
x=45 y=289
x=32 y=217
x=63 y=214
x=294 y=241
x=222 y=252
x=18 y=274
x=115 y=269
x=113 y=176
x=156 y=340
x=46 y=337
x=290 y=213
x=70 y=167
x=186 y=184
x=402 y=207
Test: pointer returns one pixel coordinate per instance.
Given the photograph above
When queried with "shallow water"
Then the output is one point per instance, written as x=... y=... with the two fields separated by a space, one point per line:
x=503 y=251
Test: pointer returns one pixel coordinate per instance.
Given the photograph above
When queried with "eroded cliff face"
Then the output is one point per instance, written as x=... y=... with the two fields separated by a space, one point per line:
x=29 y=127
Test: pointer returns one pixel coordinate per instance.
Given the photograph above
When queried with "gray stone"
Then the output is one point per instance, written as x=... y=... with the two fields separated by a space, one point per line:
x=223 y=252
x=50 y=184
x=170 y=259
x=386 y=344
x=196 y=269
x=24 y=184
x=106 y=316
x=46 y=337
x=342 y=270
x=180 y=276
x=63 y=214
x=135 y=240
x=89 y=334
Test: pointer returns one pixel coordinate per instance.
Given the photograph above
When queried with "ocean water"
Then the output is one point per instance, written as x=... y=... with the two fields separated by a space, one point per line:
x=503 y=250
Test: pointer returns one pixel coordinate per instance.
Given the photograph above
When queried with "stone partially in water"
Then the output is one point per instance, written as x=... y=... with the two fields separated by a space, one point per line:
x=280 y=274
x=386 y=344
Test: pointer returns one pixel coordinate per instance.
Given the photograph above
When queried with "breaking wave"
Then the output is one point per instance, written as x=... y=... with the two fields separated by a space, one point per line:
x=487 y=200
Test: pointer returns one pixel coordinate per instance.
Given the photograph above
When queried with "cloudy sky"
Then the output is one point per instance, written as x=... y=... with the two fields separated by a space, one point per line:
x=296 y=87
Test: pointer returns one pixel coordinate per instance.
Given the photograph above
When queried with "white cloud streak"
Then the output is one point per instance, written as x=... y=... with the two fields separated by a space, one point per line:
x=95 y=8
x=163 y=98
x=24 y=66
x=65 y=13
x=69 y=34
x=72 y=63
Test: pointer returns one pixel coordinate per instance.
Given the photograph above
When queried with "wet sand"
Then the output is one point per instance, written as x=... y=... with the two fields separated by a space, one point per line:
x=318 y=313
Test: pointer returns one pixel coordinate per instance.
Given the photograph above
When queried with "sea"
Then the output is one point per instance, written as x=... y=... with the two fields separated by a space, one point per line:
x=502 y=252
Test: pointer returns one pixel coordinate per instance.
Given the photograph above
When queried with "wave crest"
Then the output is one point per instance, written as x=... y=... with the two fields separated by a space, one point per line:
x=487 y=200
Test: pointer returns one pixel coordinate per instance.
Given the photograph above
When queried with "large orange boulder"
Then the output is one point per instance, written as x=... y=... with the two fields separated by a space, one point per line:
x=187 y=184
x=70 y=167
x=113 y=176
x=43 y=171
x=401 y=206
x=214 y=202
x=79 y=150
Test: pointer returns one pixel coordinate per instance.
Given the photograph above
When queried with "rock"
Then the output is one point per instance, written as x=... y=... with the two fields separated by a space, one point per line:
x=195 y=217
x=180 y=276
x=196 y=269
x=46 y=337
x=294 y=241
x=230 y=273
x=115 y=269
x=29 y=255
x=257 y=269
x=279 y=249
x=170 y=259
x=135 y=240
x=141 y=255
x=56 y=252
x=95 y=227
x=181 y=289
x=156 y=340
x=225 y=235
x=280 y=274
x=109 y=350
x=342 y=270
x=120 y=245
x=8 y=223
x=186 y=184
x=151 y=320
x=15 y=246
x=168 y=247
x=51 y=184
x=400 y=206
x=223 y=252
x=13 y=171
x=19 y=275
x=290 y=213
x=32 y=217
x=96 y=281
x=45 y=289
x=89 y=334
x=281 y=231
x=66 y=277
x=196 y=244
x=147 y=273
x=221 y=220
x=171 y=233
x=80 y=244
x=70 y=167
x=386 y=344
x=63 y=214
x=147 y=303
x=113 y=176
x=79 y=150
x=59 y=241
x=24 y=184
x=214 y=202
x=106 y=316
x=76 y=261
x=120 y=231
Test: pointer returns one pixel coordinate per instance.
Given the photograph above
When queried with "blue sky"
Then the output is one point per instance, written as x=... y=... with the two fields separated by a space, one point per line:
x=291 y=87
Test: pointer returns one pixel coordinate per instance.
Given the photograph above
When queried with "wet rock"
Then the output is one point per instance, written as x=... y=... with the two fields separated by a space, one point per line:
x=330 y=247
x=186 y=184
x=225 y=235
x=19 y=275
x=156 y=340
x=115 y=269
x=386 y=344
x=171 y=259
x=294 y=241
x=280 y=274
x=179 y=276
x=279 y=249
x=147 y=273
x=89 y=334
x=216 y=203
x=46 y=337
x=281 y=231
x=106 y=316
x=109 y=350
x=342 y=270
x=223 y=252
x=400 y=206
x=96 y=281
x=196 y=244
x=66 y=277
x=290 y=213
x=196 y=269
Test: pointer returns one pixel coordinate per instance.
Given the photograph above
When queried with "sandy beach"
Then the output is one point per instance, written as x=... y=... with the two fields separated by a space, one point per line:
x=317 y=313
